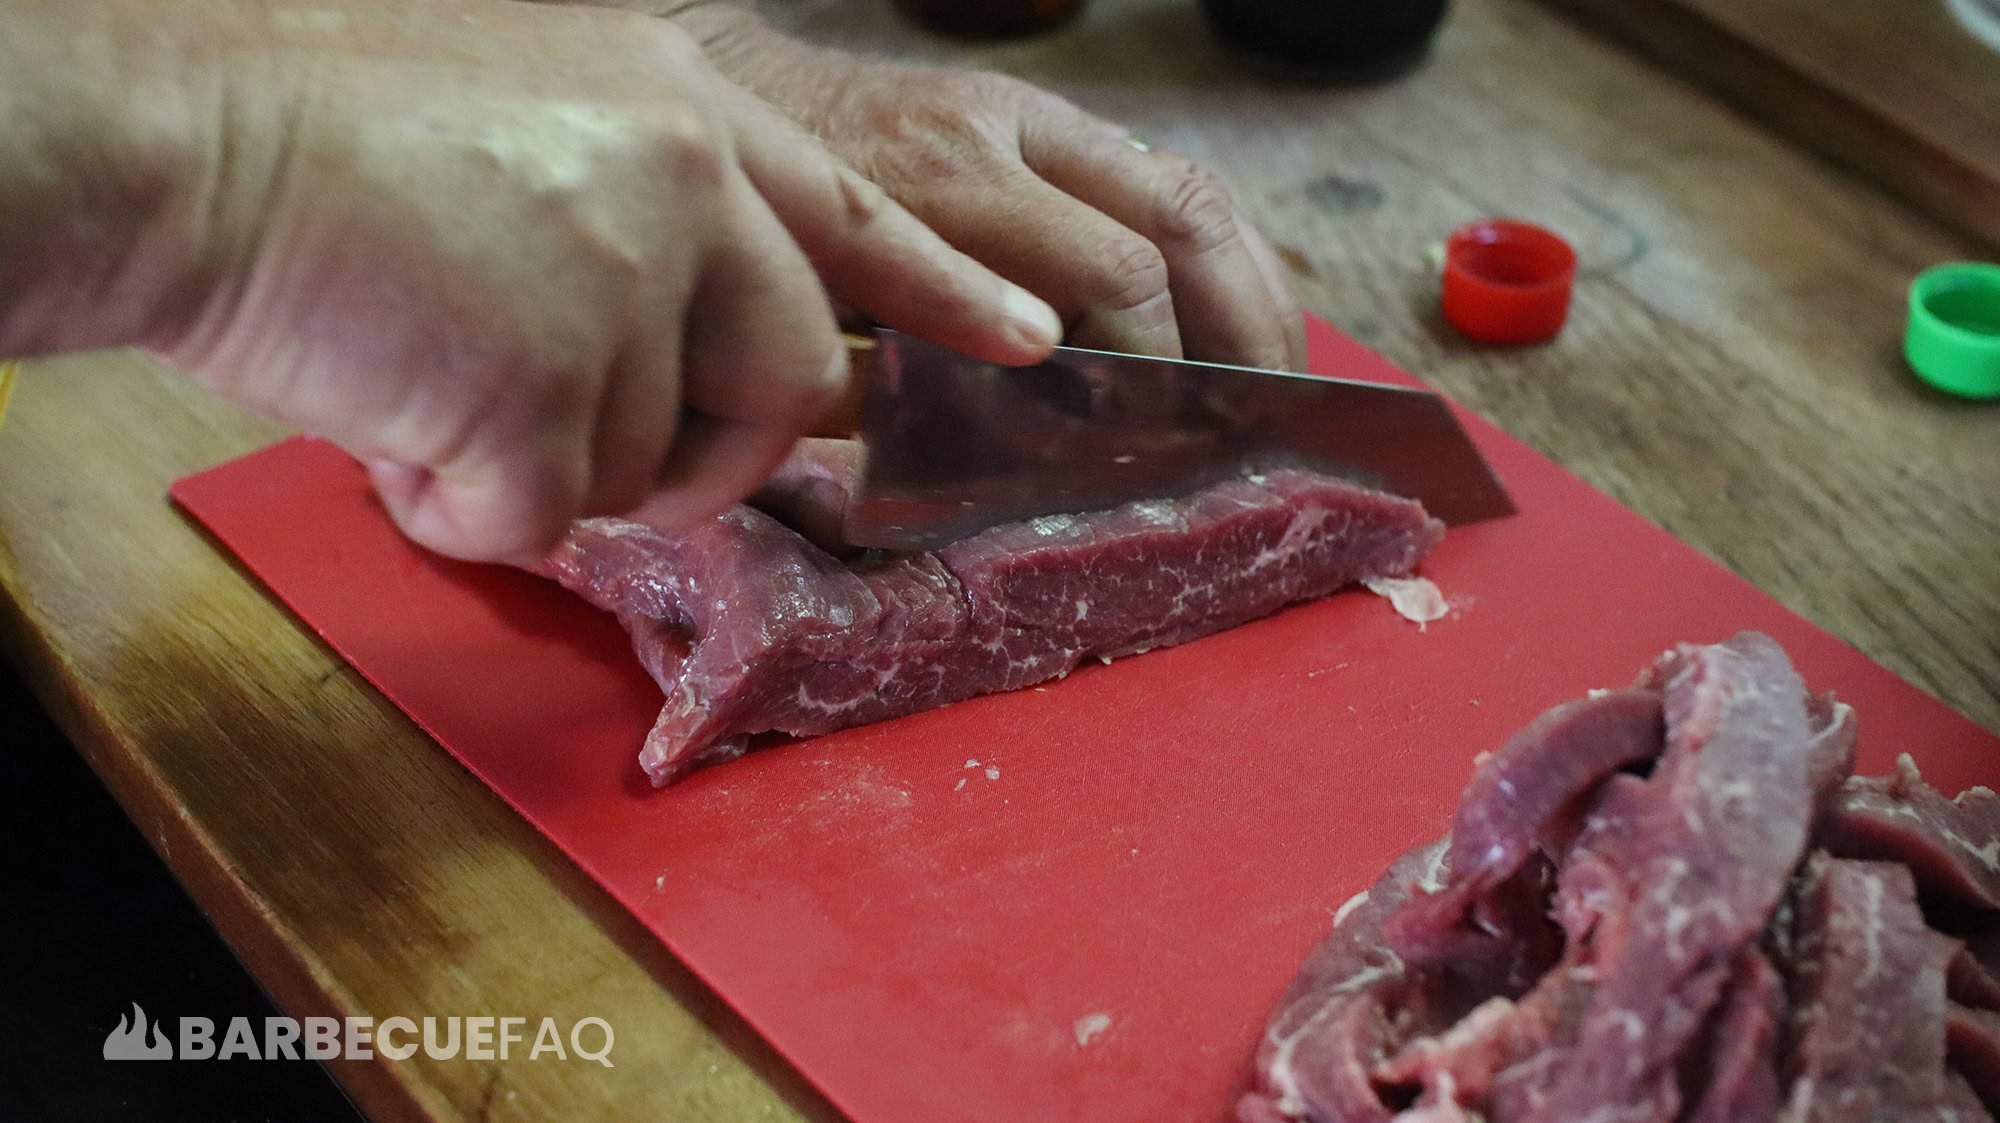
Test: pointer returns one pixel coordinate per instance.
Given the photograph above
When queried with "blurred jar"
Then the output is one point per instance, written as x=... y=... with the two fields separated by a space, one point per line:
x=989 y=19
x=1340 y=39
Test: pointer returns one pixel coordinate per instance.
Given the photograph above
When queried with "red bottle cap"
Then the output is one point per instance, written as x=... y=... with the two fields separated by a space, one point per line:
x=1507 y=281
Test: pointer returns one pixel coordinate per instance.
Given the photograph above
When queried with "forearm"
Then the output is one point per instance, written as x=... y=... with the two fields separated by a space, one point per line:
x=100 y=168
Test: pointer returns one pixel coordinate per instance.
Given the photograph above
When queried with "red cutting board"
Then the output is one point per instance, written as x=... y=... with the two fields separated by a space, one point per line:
x=1158 y=842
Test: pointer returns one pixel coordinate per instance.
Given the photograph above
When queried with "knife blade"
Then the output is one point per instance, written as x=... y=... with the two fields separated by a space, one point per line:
x=955 y=445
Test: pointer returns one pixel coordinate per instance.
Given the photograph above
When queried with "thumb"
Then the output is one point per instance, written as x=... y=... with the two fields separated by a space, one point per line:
x=511 y=510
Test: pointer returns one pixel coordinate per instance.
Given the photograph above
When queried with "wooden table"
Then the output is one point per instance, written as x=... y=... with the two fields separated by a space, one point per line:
x=1731 y=370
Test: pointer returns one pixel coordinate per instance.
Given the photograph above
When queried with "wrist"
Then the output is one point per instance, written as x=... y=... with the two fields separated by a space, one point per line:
x=101 y=157
x=801 y=80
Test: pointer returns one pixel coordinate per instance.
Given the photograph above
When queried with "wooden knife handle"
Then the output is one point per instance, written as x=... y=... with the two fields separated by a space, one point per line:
x=844 y=420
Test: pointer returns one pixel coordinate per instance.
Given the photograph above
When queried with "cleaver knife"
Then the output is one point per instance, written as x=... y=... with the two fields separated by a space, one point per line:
x=954 y=445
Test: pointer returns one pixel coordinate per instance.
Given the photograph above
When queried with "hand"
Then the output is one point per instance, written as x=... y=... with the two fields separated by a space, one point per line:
x=531 y=263
x=810 y=490
x=1140 y=250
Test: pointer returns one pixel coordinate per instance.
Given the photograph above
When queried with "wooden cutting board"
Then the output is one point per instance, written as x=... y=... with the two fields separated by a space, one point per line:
x=1076 y=902
x=1900 y=92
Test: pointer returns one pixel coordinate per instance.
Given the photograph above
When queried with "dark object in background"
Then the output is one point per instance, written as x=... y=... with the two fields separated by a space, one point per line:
x=1353 y=40
x=989 y=19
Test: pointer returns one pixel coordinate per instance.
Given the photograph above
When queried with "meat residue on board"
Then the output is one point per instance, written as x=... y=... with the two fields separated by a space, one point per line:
x=749 y=628
x=1665 y=903
x=1416 y=599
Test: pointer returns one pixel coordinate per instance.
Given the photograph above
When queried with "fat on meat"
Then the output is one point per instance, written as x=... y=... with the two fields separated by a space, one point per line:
x=1333 y=1021
x=1869 y=996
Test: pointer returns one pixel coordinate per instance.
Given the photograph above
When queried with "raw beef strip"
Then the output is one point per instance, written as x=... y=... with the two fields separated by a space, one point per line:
x=1524 y=791
x=1593 y=904
x=1510 y=1051
x=1724 y=820
x=748 y=628
x=1973 y=1043
x=1501 y=1047
x=1539 y=1046
x=1356 y=1002
x=1952 y=845
x=1696 y=970
x=1870 y=998
x=1332 y=1023
x=1732 y=1075
x=1969 y=983
x=1563 y=755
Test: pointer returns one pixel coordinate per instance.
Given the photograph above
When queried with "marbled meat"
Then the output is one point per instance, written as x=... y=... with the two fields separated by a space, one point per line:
x=1665 y=904
x=749 y=628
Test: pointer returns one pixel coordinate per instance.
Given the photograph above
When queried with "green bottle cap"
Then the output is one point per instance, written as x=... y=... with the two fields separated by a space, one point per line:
x=1953 y=341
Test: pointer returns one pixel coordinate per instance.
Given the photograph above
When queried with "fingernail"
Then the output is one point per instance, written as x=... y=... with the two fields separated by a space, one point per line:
x=1031 y=318
x=1138 y=144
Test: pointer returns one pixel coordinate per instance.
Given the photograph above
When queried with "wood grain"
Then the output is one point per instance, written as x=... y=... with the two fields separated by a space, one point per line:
x=1901 y=93
x=1730 y=371
x=355 y=867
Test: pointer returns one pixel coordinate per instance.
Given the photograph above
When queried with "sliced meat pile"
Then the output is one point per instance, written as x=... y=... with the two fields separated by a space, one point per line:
x=1669 y=902
x=749 y=628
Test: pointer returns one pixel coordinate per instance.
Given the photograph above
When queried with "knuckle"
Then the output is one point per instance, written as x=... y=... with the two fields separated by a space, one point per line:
x=924 y=141
x=1197 y=212
x=685 y=147
x=864 y=205
x=1134 y=272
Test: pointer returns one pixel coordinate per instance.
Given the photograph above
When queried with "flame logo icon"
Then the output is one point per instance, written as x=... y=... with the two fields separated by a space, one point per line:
x=124 y=1044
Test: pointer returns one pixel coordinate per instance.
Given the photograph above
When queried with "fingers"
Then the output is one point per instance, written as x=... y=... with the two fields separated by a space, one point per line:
x=876 y=256
x=714 y=463
x=500 y=503
x=1290 y=312
x=760 y=343
x=762 y=361
x=1225 y=305
x=638 y=419
x=1109 y=284
x=810 y=489
x=702 y=397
